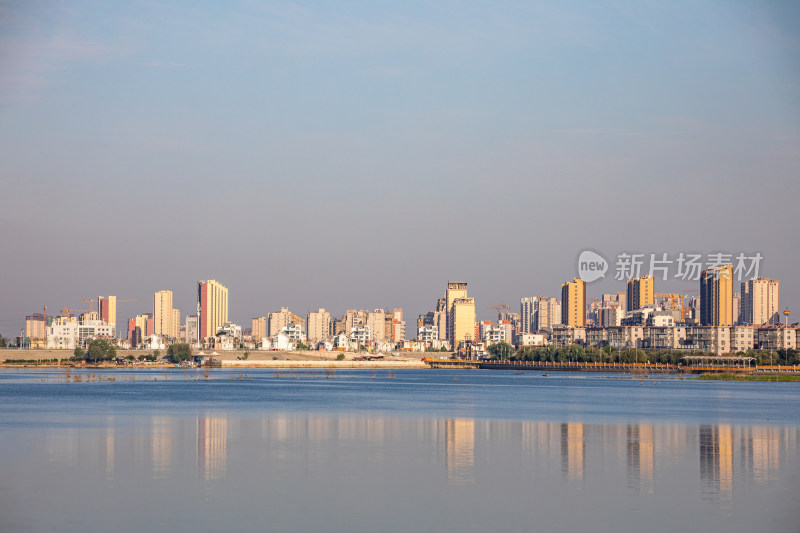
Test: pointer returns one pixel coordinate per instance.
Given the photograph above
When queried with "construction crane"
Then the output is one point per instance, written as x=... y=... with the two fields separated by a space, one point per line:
x=502 y=311
x=90 y=302
x=66 y=312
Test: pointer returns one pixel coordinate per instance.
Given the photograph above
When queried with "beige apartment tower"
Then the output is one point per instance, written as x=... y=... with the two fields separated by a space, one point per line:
x=318 y=325
x=176 y=323
x=163 y=315
x=376 y=321
x=212 y=307
x=462 y=321
x=573 y=303
x=456 y=290
x=760 y=301
x=282 y=319
x=641 y=292
x=259 y=328
x=716 y=296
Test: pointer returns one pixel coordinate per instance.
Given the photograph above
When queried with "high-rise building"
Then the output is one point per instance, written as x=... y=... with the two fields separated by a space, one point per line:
x=134 y=336
x=139 y=328
x=538 y=313
x=212 y=307
x=376 y=320
x=398 y=330
x=318 y=325
x=107 y=308
x=282 y=319
x=716 y=296
x=176 y=323
x=259 y=328
x=462 y=321
x=163 y=315
x=35 y=326
x=455 y=290
x=760 y=301
x=191 y=329
x=354 y=319
x=573 y=303
x=640 y=292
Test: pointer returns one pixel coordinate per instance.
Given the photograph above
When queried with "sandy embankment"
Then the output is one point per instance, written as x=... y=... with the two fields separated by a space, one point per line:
x=255 y=358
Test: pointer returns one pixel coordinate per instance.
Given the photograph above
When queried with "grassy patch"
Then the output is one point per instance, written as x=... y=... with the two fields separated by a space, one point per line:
x=750 y=377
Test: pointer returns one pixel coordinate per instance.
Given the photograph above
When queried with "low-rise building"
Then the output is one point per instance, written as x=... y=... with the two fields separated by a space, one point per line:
x=295 y=332
x=563 y=336
x=530 y=339
x=742 y=338
x=63 y=333
x=776 y=338
x=428 y=333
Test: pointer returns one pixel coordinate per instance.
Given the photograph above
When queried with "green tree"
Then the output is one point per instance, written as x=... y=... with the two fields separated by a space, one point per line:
x=77 y=353
x=179 y=352
x=101 y=350
x=3 y=342
x=501 y=350
x=340 y=357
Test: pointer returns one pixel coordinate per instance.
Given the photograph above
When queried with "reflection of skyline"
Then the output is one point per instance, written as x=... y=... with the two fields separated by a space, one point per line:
x=109 y=448
x=727 y=454
x=640 y=456
x=459 y=437
x=716 y=458
x=161 y=445
x=212 y=446
x=573 y=450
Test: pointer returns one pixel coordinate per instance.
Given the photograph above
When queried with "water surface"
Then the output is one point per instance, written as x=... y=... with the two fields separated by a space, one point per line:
x=402 y=450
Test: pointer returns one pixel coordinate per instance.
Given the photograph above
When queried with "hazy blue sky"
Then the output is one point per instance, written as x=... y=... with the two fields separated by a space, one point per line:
x=360 y=154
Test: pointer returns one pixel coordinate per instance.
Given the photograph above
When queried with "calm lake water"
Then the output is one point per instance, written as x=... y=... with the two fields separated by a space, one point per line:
x=399 y=450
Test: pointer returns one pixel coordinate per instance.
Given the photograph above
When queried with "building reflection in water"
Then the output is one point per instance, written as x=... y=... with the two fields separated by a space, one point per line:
x=573 y=450
x=640 y=456
x=61 y=445
x=760 y=449
x=161 y=445
x=108 y=448
x=716 y=459
x=212 y=446
x=459 y=439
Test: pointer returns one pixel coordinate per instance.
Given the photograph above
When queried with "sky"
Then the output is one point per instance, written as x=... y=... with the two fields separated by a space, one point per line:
x=361 y=154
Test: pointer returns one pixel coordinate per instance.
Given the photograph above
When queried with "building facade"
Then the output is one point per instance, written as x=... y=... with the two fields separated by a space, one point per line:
x=760 y=301
x=212 y=307
x=462 y=321
x=716 y=296
x=318 y=325
x=163 y=314
x=573 y=303
x=640 y=292
x=107 y=309
x=259 y=330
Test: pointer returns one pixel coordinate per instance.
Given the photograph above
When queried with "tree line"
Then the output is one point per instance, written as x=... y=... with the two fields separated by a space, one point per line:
x=610 y=354
x=99 y=350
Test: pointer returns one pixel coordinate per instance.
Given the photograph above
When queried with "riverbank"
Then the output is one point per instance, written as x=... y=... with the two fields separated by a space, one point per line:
x=229 y=359
x=749 y=377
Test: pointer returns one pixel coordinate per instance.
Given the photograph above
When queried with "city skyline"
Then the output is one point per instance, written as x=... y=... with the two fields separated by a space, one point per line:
x=491 y=311
x=359 y=155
